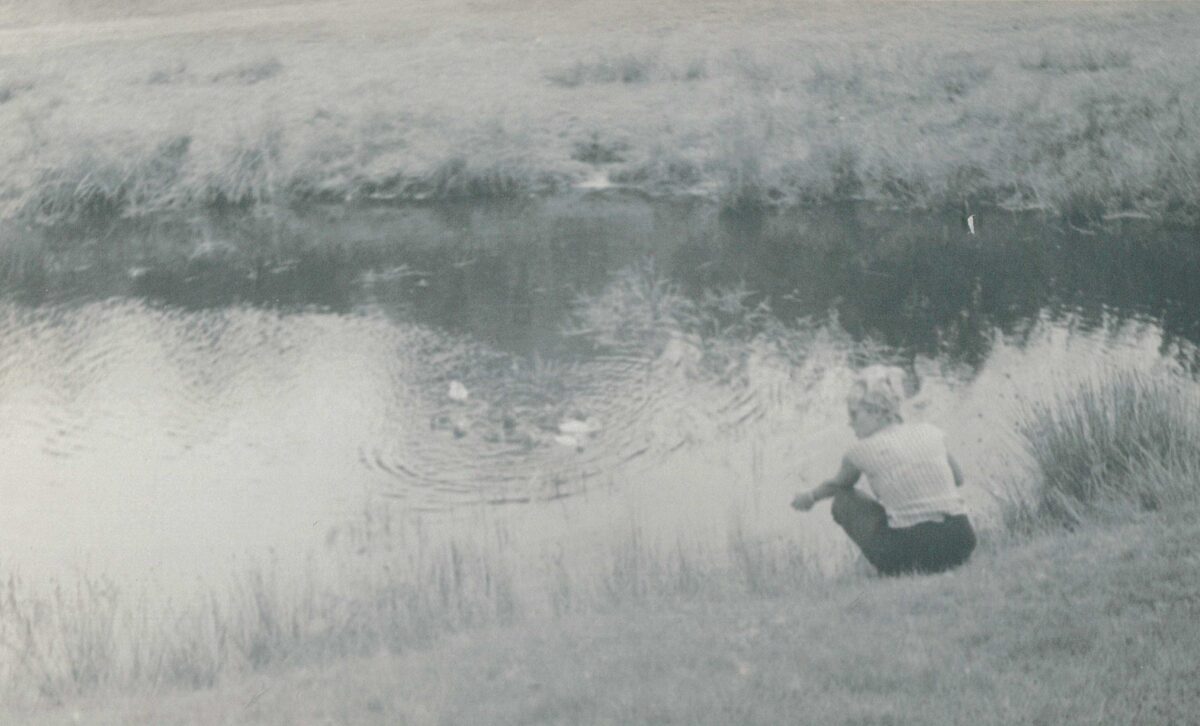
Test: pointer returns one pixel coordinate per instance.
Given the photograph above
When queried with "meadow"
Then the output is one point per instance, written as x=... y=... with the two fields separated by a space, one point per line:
x=1085 y=110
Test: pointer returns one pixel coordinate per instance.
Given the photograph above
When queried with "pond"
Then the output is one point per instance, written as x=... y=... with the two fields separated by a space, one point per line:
x=183 y=394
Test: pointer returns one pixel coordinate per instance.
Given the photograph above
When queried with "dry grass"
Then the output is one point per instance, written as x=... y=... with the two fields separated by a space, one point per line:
x=1085 y=110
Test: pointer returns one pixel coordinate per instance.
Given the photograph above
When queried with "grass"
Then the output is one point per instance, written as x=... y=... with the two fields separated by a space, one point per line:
x=1096 y=627
x=1077 y=57
x=33 y=12
x=1123 y=437
x=1087 y=110
x=382 y=591
x=626 y=69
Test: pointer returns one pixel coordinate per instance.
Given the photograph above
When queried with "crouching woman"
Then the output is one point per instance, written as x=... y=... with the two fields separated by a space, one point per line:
x=917 y=521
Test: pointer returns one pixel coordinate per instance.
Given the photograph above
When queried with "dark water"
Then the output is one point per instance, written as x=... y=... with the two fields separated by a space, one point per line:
x=173 y=393
x=508 y=274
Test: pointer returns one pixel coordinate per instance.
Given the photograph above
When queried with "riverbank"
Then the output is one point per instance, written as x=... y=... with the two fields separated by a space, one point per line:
x=1091 y=627
x=1085 y=110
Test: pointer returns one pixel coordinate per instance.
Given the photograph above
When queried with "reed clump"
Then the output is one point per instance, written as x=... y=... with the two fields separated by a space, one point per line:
x=1115 y=441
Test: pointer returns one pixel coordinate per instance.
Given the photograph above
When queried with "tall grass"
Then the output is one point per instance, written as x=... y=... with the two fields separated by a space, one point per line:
x=383 y=590
x=1119 y=439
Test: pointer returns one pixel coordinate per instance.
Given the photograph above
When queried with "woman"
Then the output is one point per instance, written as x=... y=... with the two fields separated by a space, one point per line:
x=917 y=521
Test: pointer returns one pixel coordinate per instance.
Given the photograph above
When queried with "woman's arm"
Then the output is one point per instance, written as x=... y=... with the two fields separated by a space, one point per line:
x=846 y=477
x=954 y=469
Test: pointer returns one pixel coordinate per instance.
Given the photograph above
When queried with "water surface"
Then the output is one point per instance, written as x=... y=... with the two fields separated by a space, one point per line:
x=181 y=394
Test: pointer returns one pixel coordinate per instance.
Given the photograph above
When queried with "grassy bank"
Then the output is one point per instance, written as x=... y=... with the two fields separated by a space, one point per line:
x=1097 y=627
x=1083 y=109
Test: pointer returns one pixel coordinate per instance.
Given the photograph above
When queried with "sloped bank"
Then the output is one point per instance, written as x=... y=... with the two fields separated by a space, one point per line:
x=1094 y=627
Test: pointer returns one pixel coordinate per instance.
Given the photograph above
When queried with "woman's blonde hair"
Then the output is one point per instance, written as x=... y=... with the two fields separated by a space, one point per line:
x=880 y=388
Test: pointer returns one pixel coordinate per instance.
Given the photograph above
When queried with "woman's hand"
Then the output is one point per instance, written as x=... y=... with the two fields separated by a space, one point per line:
x=804 y=501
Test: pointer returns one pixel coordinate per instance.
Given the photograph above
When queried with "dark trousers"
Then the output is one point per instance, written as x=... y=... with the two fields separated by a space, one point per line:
x=924 y=547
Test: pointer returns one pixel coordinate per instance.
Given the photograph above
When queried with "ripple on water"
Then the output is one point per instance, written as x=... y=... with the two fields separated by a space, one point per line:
x=545 y=431
x=172 y=434
x=243 y=384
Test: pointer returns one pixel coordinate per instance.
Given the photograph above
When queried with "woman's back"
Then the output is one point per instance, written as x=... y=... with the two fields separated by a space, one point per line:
x=908 y=469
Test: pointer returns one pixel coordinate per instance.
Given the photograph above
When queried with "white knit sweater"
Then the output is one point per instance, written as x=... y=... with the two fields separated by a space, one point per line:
x=908 y=470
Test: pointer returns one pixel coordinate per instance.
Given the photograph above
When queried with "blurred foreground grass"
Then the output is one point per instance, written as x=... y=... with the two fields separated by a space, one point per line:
x=1096 y=627
x=1083 y=109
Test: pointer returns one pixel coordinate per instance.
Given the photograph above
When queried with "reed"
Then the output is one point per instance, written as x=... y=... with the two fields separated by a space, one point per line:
x=1121 y=437
x=384 y=589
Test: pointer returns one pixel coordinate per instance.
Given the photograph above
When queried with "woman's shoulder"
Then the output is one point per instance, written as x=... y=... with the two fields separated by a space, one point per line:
x=906 y=429
x=924 y=428
x=880 y=441
x=899 y=442
x=904 y=435
x=926 y=438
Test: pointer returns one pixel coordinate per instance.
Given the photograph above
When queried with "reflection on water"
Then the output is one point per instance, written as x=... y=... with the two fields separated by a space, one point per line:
x=507 y=275
x=176 y=395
